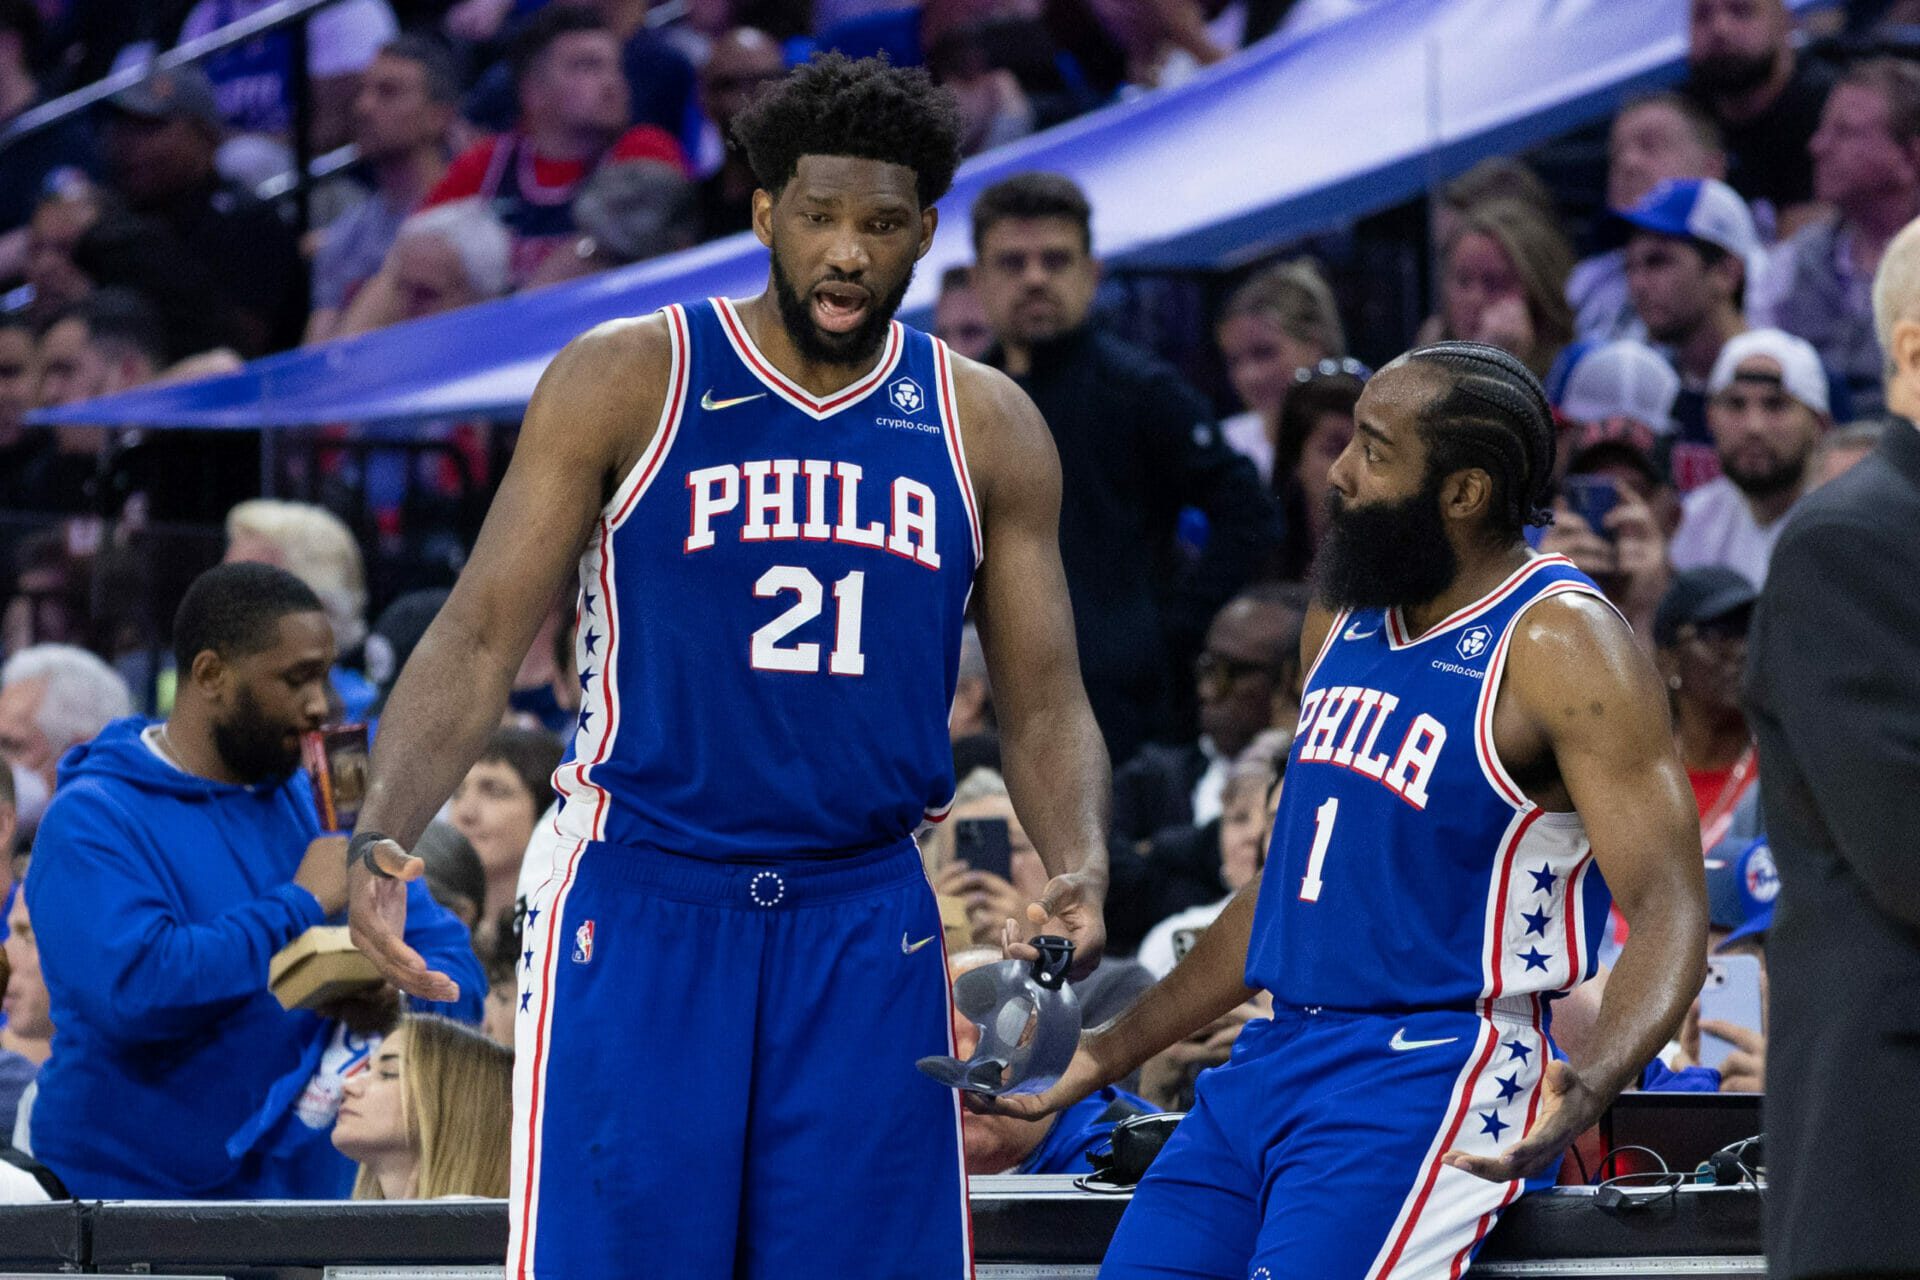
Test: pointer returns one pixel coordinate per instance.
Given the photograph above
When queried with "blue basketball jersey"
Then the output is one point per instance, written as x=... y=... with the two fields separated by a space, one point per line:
x=771 y=606
x=1407 y=870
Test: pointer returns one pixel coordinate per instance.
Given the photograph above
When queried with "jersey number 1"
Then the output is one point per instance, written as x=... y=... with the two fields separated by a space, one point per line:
x=1317 y=858
x=849 y=595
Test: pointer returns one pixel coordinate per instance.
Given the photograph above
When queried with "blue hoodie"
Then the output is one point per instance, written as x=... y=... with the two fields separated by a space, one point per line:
x=158 y=899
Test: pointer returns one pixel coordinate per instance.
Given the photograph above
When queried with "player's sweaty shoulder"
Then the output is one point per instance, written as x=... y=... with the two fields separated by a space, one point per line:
x=1007 y=442
x=1574 y=650
x=607 y=387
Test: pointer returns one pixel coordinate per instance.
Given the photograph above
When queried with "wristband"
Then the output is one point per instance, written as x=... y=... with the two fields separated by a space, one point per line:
x=360 y=849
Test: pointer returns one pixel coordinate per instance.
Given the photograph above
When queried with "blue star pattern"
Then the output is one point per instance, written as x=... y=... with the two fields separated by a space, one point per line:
x=1533 y=958
x=527 y=957
x=1544 y=879
x=586 y=714
x=1509 y=1088
x=1518 y=1050
x=525 y=998
x=589 y=640
x=589 y=597
x=1537 y=922
x=586 y=678
x=1492 y=1125
x=533 y=916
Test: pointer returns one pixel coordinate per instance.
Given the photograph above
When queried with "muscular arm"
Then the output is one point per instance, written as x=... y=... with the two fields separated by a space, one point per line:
x=1057 y=769
x=1579 y=682
x=455 y=686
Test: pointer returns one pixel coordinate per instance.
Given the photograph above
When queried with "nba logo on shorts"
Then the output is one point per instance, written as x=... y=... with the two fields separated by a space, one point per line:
x=906 y=395
x=583 y=942
x=1473 y=641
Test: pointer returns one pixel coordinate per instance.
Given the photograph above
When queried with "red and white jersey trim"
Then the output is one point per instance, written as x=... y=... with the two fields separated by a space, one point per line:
x=1399 y=638
x=956 y=448
x=793 y=393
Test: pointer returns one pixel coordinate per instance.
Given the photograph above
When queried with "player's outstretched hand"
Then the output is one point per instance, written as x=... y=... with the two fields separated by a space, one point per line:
x=1082 y=1077
x=1070 y=907
x=377 y=922
x=1568 y=1109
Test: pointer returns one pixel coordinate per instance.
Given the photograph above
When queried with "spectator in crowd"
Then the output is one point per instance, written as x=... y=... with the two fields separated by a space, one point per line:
x=161 y=136
x=455 y=877
x=176 y=859
x=109 y=343
x=626 y=213
x=959 y=317
x=26 y=1039
x=1741 y=891
x=743 y=62
x=432 y=1117
x=660 y=80
x=395 y=632
x=1841 y=449
x=573 y=118
x=497 y=803
x=1688 y=259
x=1833 y=694
x=52 y=697
x=991 y=900
x=972 y=694
x=1504 y=282
x=1052 y=1144
x=50 y=600
x=1766 y=409
x=1866 y=165
x=994 y=109
x=1241 y=849
x=401 y=111
x=1655 y=138
x=1700 y=646
x=1136 y=445
x=1314 y=426
x=442 y=258
x=20 y=447
x=1495 y=178
x=1766 y=100
x=9 y=823
x=1277 y=323
x=315 y=546
x=253 y=82
x=61 y=215
x=1163 y=855
x=27 y=163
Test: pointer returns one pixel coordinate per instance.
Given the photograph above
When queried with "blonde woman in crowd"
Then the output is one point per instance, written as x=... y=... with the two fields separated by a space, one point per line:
x=1278 y=322
x=431 y=1117
x=1505 y=283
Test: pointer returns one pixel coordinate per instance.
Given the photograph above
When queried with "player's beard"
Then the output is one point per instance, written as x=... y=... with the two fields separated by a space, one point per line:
x=1732 y=73
x=857 y=346
x=253 y=747
x=1382 y=555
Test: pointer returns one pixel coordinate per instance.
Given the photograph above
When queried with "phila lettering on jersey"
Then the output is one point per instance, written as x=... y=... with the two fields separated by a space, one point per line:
x=771 y=606
x=1407 y=869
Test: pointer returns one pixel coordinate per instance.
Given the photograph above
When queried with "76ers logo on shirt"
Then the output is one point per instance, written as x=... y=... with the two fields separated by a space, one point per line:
x=583 y=942
x=906 y=395
x=1474 y=642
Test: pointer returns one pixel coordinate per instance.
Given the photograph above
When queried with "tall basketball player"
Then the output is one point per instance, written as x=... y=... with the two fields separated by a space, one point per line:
x=779 y=510
x=1480 y=743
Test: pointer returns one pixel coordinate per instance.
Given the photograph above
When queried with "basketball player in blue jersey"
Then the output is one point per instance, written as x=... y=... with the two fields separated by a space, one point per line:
x=1480 y=743
x=780 y=511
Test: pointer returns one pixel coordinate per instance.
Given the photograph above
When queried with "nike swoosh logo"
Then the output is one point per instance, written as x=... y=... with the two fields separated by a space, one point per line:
x=1400 y=1043
x=1352 y=634
x=708 y=403
x=908 y=948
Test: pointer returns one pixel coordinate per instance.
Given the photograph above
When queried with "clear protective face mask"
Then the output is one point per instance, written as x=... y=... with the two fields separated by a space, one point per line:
x=1029 y=1023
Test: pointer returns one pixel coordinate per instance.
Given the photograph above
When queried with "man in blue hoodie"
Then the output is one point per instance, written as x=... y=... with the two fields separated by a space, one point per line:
x=175 y=860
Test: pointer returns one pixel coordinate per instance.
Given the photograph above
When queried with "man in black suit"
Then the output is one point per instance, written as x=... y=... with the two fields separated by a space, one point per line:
x=1833 y=692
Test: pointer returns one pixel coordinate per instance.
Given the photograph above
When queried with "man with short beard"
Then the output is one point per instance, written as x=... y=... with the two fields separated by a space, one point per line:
x=1480 y=742
x=780 y=511
x=1766 y=99
x=175 y=860
x=1766 y=407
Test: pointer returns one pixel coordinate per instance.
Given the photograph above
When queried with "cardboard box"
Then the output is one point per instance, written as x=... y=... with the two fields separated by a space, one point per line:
x=317 y=967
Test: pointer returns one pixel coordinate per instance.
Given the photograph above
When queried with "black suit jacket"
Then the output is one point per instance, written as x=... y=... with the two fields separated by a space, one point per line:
x=1158 y=862
x=1833 y=691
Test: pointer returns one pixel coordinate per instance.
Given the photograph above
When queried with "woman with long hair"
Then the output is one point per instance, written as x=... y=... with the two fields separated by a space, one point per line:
x=1280 y=320
x=1315 y=424
x=1505 y=282
x=431 y=1116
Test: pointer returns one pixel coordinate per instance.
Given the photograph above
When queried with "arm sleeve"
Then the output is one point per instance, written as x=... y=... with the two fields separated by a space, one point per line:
x=1837 y=669
x=443 y=942
x=1206 y=473
x=115 y=950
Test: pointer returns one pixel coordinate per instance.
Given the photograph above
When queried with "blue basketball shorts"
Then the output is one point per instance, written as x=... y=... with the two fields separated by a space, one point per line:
x=714 y=1076
x=1314 y=1151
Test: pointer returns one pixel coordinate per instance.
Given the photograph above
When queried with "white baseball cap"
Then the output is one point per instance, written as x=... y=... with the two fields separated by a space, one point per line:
x=1801 y=374
x=1621 y=379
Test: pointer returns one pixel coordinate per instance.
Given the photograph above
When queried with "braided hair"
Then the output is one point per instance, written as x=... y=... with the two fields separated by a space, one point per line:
x=1494 y=416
